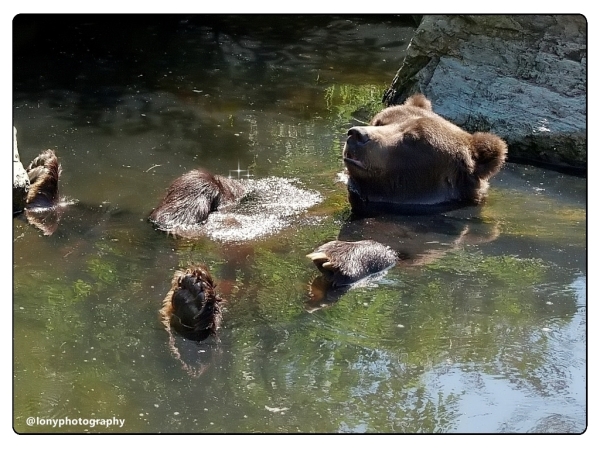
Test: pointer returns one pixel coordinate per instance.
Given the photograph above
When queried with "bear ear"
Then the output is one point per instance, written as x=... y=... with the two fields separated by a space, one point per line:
x=489 y=152
x=419 y=101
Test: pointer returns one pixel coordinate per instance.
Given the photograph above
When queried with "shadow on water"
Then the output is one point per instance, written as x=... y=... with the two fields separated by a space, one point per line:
x=101 y=59
x=481 y=327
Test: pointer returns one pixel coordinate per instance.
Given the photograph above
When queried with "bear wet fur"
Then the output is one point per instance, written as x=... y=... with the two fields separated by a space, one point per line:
x=411 y=160
x=345 y=263
x=407 y=160
x=192 y=306
x=191 y=198
x=44 y=173
x=43 y=206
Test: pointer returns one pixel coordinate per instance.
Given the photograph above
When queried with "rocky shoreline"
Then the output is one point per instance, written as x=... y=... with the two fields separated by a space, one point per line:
x=523 y=77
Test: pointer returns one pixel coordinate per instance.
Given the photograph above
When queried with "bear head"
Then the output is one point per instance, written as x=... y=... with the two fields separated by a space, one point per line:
x=409 y=159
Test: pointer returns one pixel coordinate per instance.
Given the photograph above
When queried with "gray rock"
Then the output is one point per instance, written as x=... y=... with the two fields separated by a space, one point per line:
x=20 y=179
x=522 y=77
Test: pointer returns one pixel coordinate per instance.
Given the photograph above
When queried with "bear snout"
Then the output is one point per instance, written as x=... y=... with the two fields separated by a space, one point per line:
x=358 y=134
x=351 y=157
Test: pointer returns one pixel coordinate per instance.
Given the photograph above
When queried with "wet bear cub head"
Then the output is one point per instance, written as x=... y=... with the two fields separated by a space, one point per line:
x=192 y=307
x=409 y=159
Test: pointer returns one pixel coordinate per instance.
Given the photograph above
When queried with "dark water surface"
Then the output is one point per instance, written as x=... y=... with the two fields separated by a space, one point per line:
x=485 y=336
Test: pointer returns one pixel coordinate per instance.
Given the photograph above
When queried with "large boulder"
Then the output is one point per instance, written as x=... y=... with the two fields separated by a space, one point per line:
x=20 y=179
x=522 y=77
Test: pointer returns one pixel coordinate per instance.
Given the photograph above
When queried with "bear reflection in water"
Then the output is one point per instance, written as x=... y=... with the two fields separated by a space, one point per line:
x=367 y=248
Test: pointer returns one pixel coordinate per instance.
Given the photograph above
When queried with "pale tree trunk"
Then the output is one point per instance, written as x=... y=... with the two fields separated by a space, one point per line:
x=20 y=179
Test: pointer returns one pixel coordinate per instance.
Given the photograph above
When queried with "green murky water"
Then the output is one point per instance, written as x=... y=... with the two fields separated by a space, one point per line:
x=486 y=337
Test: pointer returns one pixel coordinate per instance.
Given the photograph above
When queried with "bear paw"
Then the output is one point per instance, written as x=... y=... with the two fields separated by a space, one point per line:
x=344 y=263
x=192 y=306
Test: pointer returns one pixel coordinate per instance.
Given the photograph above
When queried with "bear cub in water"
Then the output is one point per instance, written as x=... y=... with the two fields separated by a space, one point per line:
x=408 y=160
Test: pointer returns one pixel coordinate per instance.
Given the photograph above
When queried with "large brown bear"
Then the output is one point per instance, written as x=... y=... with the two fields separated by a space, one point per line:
x=408 y=160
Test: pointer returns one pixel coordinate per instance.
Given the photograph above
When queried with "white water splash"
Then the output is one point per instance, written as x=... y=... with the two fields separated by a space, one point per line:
x=269 y=205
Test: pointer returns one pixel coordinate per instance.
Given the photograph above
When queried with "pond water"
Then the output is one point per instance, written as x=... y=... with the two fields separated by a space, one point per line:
x=486 y=336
